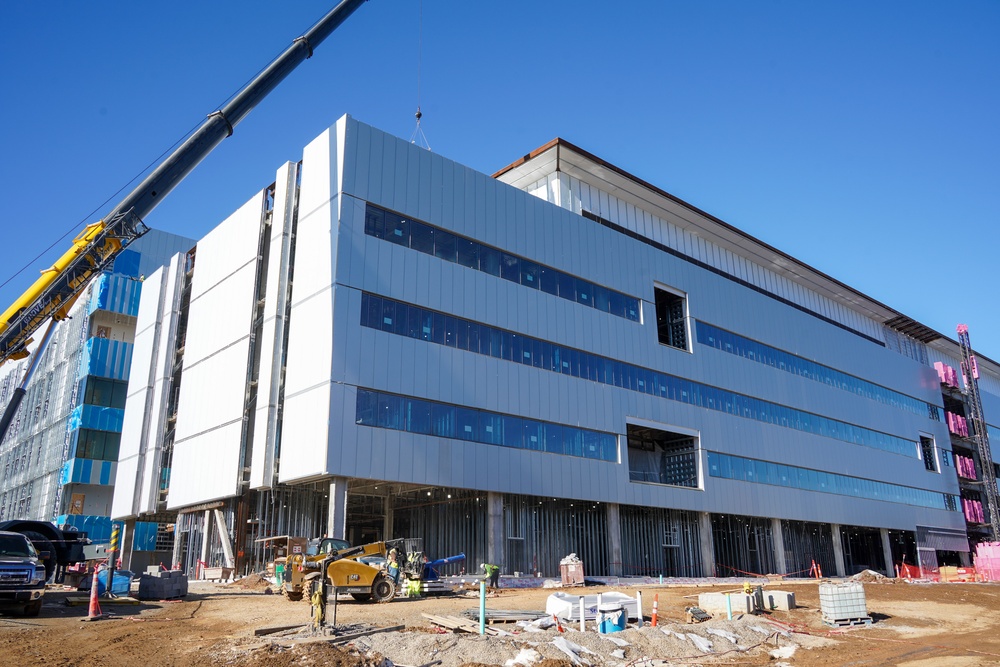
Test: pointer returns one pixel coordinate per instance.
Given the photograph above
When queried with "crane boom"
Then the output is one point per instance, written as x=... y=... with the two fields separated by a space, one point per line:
x=971 y=371
x=52 y=295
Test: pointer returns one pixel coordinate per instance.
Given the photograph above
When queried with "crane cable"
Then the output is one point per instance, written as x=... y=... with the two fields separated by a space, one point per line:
x=418 y=132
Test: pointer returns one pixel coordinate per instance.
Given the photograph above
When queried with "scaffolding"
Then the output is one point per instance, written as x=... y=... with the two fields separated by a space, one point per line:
x=970 y=371
x=37 y=443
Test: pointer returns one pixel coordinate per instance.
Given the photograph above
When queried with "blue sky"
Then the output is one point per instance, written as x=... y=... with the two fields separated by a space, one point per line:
x=860 y=137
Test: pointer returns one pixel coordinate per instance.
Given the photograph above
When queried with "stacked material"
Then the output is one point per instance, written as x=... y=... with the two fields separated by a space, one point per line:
x=843 y=604
x=159 y=584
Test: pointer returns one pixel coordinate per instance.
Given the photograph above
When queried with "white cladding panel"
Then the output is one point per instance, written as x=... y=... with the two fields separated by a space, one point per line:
x=306 y=410
x=158 y=415
x=124 y=491
x=271 y=336
x=139 y=388
x=205 y=467
x=207 y=445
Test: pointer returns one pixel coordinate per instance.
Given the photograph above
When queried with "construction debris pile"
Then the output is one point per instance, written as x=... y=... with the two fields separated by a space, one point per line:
x=541 y=640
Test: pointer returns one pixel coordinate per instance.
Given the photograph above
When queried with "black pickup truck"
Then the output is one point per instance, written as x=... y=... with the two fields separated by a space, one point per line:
x=22 y=573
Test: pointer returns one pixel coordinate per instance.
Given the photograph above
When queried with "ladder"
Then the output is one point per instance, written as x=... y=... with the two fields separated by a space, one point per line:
x=970 y=370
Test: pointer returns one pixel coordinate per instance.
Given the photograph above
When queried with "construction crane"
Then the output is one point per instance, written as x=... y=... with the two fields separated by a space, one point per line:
x=54 y=293
x=970 y=369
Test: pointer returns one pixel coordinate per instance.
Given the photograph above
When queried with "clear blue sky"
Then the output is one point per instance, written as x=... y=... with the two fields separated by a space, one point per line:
x=861 y=137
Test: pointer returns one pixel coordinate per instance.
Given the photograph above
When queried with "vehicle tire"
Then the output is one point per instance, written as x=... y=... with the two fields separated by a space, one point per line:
x=293 y=596
x=42 y=543
x=383 y=590
x=362 y=597
x=33 y=608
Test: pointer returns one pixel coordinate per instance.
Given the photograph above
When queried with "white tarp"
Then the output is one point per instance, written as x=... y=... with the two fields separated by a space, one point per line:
x=567 y=606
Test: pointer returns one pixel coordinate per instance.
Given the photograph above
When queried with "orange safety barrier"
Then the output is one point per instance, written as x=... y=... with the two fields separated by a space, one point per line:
x=94 y=612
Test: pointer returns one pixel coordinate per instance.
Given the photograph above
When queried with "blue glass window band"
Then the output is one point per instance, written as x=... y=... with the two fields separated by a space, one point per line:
x=732 y=343
x=417 y=235
x=726 y=466
x=416 y=415
x=414 y=322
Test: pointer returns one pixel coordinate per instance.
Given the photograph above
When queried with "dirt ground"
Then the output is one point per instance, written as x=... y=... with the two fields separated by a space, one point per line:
x=915 y=625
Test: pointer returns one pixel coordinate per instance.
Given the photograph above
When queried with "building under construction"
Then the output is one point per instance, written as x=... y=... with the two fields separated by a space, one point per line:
x=558 y=358
x=58 y=459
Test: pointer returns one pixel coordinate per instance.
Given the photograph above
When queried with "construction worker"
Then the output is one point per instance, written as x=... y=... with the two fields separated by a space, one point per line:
x=493 y=572
x=392 y=565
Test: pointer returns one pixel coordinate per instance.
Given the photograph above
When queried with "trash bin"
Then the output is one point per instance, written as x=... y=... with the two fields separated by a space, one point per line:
x=121 y=583
x=571 y=571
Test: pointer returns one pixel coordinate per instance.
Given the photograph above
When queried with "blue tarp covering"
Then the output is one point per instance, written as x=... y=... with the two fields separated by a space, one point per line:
x=144 y=536
x=127 y=263
x=106 y=358
x=98 y=528
x=118 y=294
x=97 y=418
x=88 y=471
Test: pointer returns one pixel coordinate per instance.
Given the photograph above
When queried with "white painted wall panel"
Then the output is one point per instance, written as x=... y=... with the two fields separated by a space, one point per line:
x=306 y=427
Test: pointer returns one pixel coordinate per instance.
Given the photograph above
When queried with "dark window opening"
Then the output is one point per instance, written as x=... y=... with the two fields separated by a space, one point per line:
x=662 y=457
x=670 y=324
x=97 y=445
x=927 y=453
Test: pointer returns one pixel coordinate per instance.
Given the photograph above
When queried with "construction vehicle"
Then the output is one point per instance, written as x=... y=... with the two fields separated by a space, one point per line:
x=346 y=573
x=54 y=293
x=302 y=558
x=57 y=547
x=22 y=574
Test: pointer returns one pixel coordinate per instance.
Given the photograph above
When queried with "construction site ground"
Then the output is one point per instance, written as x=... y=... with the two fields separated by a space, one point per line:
x=914 y=625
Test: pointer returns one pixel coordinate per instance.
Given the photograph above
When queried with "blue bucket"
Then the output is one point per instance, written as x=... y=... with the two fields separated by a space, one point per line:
x=611 y=618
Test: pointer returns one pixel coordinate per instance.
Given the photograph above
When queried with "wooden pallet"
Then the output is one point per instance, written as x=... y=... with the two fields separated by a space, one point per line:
x=459 y=624
x=848 y=622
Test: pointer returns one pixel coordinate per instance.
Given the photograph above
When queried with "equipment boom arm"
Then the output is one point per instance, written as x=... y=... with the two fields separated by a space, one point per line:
x=97 y=246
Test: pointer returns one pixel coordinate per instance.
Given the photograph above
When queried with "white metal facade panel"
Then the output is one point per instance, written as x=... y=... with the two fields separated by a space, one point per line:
x=305 y=426
x=271 y=337
x=158 y=413
x=207 y=447
x=139 y=388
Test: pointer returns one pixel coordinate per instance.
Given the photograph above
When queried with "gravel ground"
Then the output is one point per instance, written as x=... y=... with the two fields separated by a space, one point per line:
x=753 y=637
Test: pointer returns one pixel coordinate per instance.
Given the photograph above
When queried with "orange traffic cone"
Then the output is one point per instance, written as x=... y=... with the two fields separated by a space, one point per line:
x=656 y=608
x=94 y=613
x=559 y=626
